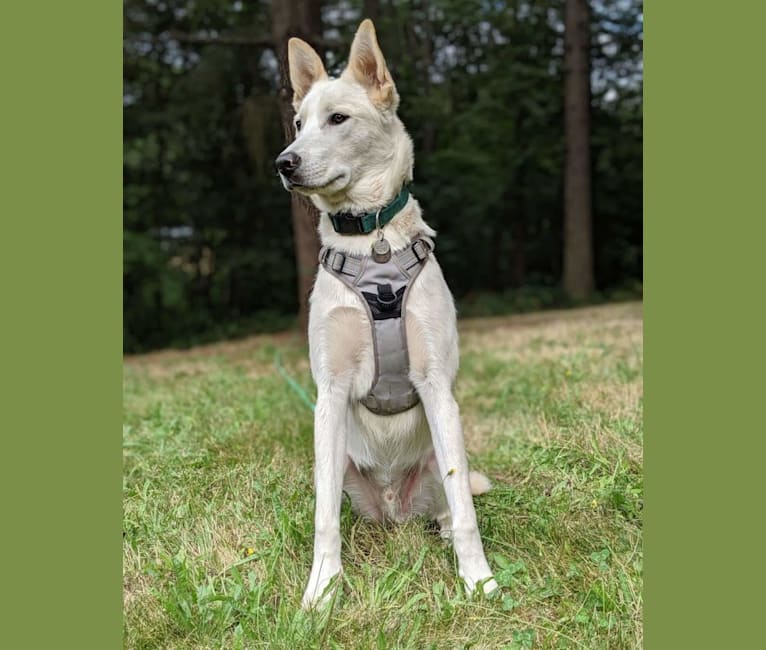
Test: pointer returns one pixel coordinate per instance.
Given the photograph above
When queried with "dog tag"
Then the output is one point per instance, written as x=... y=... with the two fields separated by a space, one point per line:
x=381 y=251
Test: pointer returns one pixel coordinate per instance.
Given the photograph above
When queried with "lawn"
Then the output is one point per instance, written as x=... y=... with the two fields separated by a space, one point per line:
x=218 y=500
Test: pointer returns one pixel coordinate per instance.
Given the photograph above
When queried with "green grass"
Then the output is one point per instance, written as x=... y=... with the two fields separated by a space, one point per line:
x=218 y=499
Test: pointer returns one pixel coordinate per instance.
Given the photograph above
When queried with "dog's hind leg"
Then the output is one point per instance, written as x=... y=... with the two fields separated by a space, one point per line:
x=363 y=494
x=479 y=485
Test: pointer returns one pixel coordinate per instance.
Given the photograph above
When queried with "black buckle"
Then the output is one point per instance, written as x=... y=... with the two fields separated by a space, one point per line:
x=346 y=223
x=354 y=223
x=385 y=304
x=386 y=297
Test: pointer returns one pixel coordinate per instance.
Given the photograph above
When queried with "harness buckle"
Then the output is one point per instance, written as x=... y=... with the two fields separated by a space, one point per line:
x=338 y=260
x=420 y=250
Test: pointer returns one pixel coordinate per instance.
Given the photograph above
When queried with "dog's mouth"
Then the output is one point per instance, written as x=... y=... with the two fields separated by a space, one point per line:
x=291 y=185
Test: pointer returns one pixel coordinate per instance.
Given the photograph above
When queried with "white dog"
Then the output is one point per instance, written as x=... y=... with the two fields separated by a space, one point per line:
x=352 y=156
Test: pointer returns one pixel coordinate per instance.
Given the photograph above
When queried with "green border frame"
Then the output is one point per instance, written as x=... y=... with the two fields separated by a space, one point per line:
x=703 y=176
x=61 y=354
x=61 y=206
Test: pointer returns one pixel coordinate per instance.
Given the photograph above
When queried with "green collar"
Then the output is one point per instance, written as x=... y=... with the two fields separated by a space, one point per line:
x=346 y=223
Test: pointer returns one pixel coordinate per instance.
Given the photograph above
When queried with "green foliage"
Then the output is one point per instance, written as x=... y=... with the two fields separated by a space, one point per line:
x=208 y=240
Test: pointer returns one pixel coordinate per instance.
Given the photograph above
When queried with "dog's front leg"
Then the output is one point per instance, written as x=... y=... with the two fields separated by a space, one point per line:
x=443 y=417
x=330 y=465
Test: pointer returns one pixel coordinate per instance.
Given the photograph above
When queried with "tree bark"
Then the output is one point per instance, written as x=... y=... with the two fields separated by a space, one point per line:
x=578 y=230
x=301 y=18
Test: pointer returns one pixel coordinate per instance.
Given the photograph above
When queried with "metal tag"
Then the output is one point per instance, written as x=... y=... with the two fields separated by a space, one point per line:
x=381 y=251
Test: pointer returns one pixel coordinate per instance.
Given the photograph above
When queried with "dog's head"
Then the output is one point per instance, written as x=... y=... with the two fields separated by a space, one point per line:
x=350 y=147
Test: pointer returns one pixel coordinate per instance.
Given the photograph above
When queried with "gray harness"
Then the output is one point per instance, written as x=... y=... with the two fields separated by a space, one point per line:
x=383 y=288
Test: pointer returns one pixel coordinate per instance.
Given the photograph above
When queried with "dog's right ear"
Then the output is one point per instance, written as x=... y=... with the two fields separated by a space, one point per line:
x=367 y=67
x=305 y=68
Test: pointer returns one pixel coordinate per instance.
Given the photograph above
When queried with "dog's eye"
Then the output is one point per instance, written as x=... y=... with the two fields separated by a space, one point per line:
x=338 y=118
x=297 y=125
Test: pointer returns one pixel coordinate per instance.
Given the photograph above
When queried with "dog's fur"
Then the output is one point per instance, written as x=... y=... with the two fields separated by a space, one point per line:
x=395 y=466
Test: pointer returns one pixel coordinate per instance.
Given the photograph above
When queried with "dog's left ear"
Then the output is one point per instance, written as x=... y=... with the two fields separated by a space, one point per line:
x=305 y=68
x=367 y=66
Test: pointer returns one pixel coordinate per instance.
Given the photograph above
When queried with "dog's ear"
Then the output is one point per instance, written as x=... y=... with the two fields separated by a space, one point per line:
x=367 y=66
x=305 y=68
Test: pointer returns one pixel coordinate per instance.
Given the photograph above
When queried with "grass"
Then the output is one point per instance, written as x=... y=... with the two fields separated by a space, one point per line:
x=218 y=499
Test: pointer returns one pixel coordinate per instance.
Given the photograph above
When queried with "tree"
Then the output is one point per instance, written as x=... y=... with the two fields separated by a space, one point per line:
x=210 y=242
x=302 y=19
x=288 y=18
x=578 y=231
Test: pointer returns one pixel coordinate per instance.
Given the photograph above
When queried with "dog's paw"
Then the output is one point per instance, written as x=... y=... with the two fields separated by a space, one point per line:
x=489 y=586
x=322 y=585
x=475 y=572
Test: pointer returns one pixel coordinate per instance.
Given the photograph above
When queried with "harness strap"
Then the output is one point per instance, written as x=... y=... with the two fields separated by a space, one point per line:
x=351 y=265
x=416 y=253
x=340 y=263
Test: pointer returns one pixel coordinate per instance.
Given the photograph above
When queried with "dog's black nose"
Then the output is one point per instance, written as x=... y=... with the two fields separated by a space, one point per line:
x=287 y=163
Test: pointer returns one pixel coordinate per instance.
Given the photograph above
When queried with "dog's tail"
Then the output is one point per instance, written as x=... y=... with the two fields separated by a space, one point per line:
x=479 y=483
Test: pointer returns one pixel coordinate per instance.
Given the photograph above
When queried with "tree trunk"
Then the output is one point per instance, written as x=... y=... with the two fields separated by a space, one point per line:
x=301 y=18
x=578 y=236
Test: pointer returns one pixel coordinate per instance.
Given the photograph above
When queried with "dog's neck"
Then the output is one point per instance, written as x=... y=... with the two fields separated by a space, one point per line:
x=381 y=183
x=406 y=226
